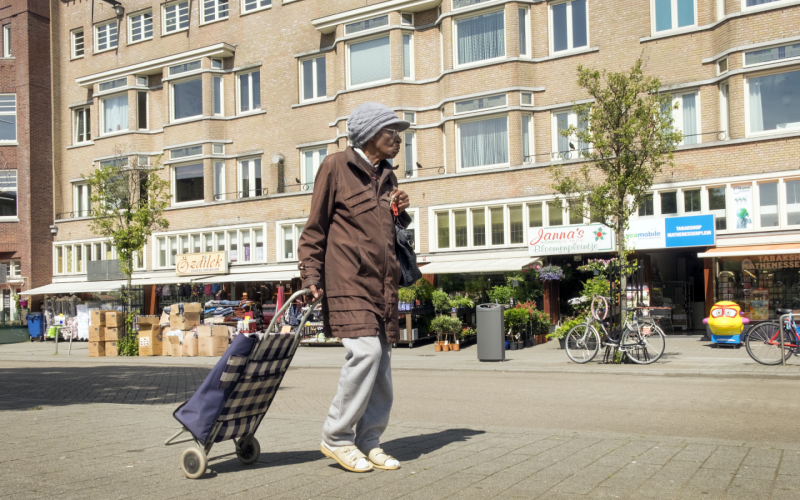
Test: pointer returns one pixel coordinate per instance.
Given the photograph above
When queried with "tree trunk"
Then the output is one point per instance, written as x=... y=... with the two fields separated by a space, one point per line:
x=623 y=281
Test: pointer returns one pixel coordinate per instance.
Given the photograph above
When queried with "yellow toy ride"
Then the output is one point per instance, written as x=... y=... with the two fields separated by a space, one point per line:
x=726 y=323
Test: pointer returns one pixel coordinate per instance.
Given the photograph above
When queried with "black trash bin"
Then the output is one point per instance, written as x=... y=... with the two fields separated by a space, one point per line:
x=491 y=332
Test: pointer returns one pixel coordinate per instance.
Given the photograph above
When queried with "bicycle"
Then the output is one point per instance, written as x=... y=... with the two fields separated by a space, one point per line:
x=763 y=343
x=643 y=342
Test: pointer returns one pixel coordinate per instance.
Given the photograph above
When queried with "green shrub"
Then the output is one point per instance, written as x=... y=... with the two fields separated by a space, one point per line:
x=565 y=327
x=462 y=301
x=441 y=303
x=424 y=290
x=501 y=294
x=408 y=294
x=516 y=318
x=446 y=324
x=540 y=323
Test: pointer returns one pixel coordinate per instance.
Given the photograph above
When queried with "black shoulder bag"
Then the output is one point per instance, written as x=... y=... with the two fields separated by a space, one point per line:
x=404 y=247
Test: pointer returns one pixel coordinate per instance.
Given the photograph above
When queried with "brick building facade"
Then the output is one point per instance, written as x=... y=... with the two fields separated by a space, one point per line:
x=26 y=207
x=243 y=98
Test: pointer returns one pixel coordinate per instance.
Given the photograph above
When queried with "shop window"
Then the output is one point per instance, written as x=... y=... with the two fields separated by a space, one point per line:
x=673 y=14
x=83 y=125
x=669 y=203
x=8 y=193
x=408 y=56
x=646 y=205
x=768 y=204
x=483 y=143
x=717 y=206
x=773 y=102
x=370 y=61
x=250 y=178
x=478 y=227
x=569 y=26
x=516 y=225
x=114 y=114
x=314 y=79
x=254 y=5
x=189 y=183
x=312 y=159
x=215 y=10
x=480 y=38
x=691 y=200
x=498 y=225
x=250 y=92
x=77 y=43
x=460 y=219
x=555 y=213
x=535 y=218
x=290 y=236
x=187 y=99
x=105 y=36
x=176 y=17
x=140 y=26
x=443 y=230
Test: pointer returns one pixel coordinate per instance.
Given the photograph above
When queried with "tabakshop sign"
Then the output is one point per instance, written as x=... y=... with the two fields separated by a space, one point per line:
x=671 y=232
x=564 y=240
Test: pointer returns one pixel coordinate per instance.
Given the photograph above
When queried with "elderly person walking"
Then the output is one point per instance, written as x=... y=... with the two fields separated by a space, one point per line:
x=347 y=256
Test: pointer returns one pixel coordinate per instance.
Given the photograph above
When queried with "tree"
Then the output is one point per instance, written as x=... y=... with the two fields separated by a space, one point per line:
x=630 y=137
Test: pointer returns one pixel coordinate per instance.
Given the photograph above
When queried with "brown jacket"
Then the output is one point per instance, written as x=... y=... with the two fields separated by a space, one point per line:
x=348 y=247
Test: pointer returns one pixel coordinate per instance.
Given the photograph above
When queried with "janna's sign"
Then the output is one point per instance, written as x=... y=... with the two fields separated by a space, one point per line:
x=192 y=264
x=584 y=238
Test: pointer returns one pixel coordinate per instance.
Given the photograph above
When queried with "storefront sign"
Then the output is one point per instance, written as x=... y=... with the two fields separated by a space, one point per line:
x=564 y=240
x=194 y=264
x=671 y=232
x=774 y=262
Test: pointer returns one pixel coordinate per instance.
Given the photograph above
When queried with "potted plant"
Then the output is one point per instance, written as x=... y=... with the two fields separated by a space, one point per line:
x=424 y=291
x=443 y=326
x=516 y=319
x=406 y=297
x=561 y=330
x=441 y=302
x=551 y=273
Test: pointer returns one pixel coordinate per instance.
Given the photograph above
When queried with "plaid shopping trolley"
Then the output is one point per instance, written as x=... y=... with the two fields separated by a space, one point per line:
x=235 y=396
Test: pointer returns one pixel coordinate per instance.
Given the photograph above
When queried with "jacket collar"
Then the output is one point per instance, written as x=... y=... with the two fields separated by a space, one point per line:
x=358 y=161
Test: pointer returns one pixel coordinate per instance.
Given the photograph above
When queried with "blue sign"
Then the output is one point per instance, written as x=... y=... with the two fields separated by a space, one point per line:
x=690 y=231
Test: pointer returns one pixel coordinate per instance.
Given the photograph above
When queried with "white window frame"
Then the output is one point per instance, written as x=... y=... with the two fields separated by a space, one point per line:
x=414 y=213
x=78 y=189
x=102 y=114
x=16 y=190
x=221 y=95
x=727 y=66
x=189 y=156
x=250 y=164
x=459 y=168
x=348 y=62
x=747 y=78
x=720 y=9
x=453 y=5
x=571 y=120
x=250 y=89
x=413 y=134
x=141 y=14
x=402 y=20
x=521 y=97
x=470 y=208
x=569 y=48
x=724 y=108
x=481 y=110
x=217 y=17
x=221 y=147
x=455 y=38
x=210 y=237
x=218 y=188
x=531 y=139
x=411 y=54
x=257 y=8
x=780 y=206
x=762 y=6
x=87 y=125
x=7 y=40
x=178 y=29
x=722 y=211
x=673 y=16
x=146 y=110
x=73 y=43
x=784 y=202
x=174 y=183
x=280 y=241
x=765 y=63
x=14 y=268
x=317 y=163
x=314 y=78
x=528 y=44
x=678 y=99
x=368 y=30
x=97 y=27
x=172 y=101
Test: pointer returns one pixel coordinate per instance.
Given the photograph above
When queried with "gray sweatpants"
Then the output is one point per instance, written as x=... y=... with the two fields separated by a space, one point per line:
x=364 y=397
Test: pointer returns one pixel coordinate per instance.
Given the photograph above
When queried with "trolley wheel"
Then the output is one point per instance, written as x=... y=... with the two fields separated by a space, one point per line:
x=248 y=450
x=194 y=463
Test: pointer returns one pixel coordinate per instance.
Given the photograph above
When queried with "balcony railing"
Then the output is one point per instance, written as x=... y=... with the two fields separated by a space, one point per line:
x=439 y=170
x=721 y=135
x=73 y=215
x=238 y=195
x=297 y=187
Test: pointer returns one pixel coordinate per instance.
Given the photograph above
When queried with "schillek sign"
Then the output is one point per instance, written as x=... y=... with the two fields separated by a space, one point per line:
x=565 y=240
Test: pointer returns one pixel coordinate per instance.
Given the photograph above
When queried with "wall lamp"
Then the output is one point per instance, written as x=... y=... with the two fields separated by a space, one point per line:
x=119 y=10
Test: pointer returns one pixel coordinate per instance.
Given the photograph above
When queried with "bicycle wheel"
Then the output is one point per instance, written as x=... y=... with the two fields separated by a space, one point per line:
x=644 y=344
x=764 y=345
x=582 y=344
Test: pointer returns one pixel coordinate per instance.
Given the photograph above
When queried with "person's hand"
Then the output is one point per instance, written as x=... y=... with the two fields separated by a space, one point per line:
x=401 y=199
x=315 y=294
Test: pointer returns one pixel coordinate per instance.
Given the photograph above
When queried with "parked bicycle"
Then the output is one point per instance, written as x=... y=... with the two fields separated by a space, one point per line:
x=641 y=340
x=763 y=341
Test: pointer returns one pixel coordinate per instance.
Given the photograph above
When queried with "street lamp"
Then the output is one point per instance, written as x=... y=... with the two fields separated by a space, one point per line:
x=119 y=10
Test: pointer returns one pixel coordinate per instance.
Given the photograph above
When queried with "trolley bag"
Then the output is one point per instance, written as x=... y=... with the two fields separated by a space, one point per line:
x=235 y=396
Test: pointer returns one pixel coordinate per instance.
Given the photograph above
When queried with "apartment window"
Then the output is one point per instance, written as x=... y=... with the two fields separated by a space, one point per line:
x=217 y=149
x=176 y=17
x=412 y=227
x=83 y=125
x=187 y=99
x=214 y=10
x=497 y=218
x=370 y=61
x=8 y=193
x=189 y=183
x=184 y=68
x=367 y=24
x=113 y=84
x=233 y=246
x=691 y=200
x=290 y=236
x=77 y=43
x=646 y=206
x=461 y=233
x=175 y=154
x=756 y=3
x=312 y=74
x=526 y=99
x=219 y=180
x=793 y=202
x=555 y=213
x=217 y=95
x=443 y=229
x=141 y=110
x=724 y=109
x=410 y=117
x=410 y=150
x=114 y=114
x=82 y=196
x=516 y=225
x=105 y=36
x=669 y=203
x=687 y=117
x=568 y=146
x=535 y=216
x=140 y=26
x=478 y=227
x=569 y=26
x=480 y=38
x=527 y=138
x=673 y=14
x=773 y=102
x=722 y=66
x=312 y=159
x=250 y=91
x=768 y=204
x=483 y=143
x=495 y=101
x=407 y=19
x=250 y=178
x=6 y=40
x=457 y=4
x=408 y=56
x=716 y=205
x=254 y=5
x=524 y=37
x=772 y=54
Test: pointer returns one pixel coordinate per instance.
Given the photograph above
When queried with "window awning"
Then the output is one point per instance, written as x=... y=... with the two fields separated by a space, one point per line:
x=245 y=277
x=747 y=251
x=75 y=287
x=477 y=265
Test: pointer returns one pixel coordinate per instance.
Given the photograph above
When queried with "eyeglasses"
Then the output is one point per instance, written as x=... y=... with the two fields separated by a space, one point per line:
x=394 y=132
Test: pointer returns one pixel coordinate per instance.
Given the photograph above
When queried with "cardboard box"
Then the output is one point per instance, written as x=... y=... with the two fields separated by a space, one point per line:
x=115 y=319
x=97 y=349
x=166 y=347
x=212 y=340
x=175 y=346
x=111 y=348
x=114 y=333
x=189 y=319
x=97 y=334
x=150 y=336
x=190 y=345
x=97 y=318
x=164 y=319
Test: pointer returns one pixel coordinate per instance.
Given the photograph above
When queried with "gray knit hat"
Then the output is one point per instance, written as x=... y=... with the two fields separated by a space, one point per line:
x=366 y=120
